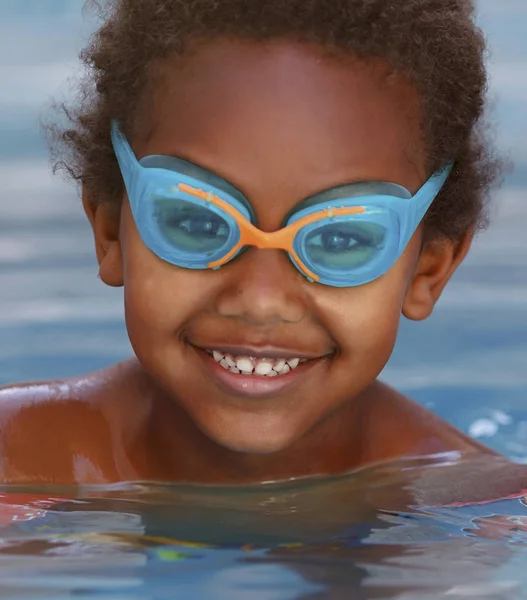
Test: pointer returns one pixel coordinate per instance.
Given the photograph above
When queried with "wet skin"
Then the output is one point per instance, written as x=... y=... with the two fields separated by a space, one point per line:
x=281 y=122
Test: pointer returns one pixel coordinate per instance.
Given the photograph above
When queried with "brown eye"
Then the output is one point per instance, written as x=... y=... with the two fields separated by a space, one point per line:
x=344 y=246
x=191 y=228
x=198 y=225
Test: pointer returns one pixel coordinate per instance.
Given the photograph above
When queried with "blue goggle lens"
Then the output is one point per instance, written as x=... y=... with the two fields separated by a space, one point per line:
x=342 y=251
x=344 y=246
x=189 y=228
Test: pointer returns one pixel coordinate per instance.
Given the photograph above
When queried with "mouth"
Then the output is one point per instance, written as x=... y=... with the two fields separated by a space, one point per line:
x=249 y=373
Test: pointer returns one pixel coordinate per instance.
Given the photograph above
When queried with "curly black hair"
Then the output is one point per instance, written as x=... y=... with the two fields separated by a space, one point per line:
x=435 y=43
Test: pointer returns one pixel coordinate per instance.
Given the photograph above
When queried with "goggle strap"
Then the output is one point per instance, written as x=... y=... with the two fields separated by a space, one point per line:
x=426 y=195
x=126 y=158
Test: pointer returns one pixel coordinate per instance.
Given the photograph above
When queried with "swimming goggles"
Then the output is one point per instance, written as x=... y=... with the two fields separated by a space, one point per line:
x=346 y=236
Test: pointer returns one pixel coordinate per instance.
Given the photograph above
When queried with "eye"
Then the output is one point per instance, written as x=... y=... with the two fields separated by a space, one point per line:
x=343 y=239
x=345 y=245
x=337 y=241
x=191 y=228
x=197 y=224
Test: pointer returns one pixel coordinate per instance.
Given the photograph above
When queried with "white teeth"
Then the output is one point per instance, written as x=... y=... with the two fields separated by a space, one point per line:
x=279 y=365
x=263 y=368
x=245 y=364
x=266 y=367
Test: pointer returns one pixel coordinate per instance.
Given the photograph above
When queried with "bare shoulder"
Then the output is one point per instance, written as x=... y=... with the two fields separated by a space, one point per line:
x=62 y=431
x=402 y=427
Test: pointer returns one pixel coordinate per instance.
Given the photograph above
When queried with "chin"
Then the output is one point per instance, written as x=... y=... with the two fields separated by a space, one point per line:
x=250 y=441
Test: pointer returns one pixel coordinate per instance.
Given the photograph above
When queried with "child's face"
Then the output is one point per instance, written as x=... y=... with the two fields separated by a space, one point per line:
x=280 y=122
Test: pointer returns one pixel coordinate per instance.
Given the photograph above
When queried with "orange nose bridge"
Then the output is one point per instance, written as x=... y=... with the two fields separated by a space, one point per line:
x=275 y=240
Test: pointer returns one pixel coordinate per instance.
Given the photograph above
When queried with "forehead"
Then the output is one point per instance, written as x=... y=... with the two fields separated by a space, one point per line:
x=282 y=120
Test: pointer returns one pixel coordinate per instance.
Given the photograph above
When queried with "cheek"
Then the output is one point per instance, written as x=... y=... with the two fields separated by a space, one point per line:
x=158 y=296
x=373 y=320
x=365 y=320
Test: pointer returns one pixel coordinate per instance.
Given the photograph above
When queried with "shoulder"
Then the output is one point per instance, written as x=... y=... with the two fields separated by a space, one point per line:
x=60 y=431
x=402 y=427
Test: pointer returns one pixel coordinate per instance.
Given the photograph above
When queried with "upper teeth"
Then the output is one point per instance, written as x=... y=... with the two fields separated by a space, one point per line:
x=248 y=365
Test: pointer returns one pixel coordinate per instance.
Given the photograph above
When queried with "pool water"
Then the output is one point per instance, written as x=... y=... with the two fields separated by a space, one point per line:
x=357 y=536
x=360 y=536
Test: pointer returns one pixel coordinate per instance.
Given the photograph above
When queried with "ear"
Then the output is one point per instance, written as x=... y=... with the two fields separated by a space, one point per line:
x=437 y=263
x=104 y=219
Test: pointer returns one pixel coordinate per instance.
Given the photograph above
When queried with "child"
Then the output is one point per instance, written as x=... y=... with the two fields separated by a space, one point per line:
x=273 y=182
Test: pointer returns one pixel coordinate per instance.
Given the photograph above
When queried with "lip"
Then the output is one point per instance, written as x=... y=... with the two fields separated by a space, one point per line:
x=256 y=386
x=261 y=352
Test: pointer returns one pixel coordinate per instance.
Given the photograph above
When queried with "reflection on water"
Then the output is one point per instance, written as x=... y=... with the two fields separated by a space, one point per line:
x=373 y=532
x=321 y=541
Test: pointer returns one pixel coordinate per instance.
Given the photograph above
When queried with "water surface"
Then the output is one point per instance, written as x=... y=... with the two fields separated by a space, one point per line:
x=373 y=535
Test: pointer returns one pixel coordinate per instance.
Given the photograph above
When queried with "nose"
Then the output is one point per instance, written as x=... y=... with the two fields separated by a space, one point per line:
x=263 y=288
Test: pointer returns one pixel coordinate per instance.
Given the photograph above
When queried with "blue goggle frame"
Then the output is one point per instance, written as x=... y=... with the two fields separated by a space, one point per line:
x=315 y=227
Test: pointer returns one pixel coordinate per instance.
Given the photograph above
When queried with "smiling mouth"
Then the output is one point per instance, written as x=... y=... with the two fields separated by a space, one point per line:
x=260 y=367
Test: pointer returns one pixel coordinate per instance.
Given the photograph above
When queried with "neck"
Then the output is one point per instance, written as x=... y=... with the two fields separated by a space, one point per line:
x=176 y=450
